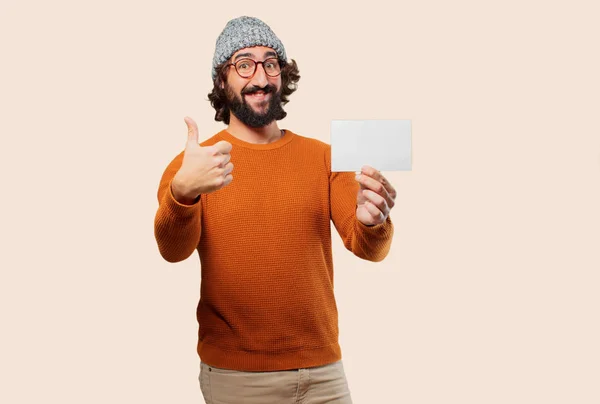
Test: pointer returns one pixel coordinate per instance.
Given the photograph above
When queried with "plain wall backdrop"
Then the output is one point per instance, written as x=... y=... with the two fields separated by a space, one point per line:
x=490 y=292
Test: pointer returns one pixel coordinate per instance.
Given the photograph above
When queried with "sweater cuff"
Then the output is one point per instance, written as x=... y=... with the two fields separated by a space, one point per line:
x=379 y=231
x=178 y=209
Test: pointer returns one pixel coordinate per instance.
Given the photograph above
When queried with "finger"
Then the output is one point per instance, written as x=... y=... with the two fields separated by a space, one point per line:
x=375 y=174
x=388 y=186
x=367 y=182
x=228 y=179
x=222 y=159
x=228 y=168
x=377 y=200
x=192 y=130
x=222 y=147
x=375 y=213
x=357 y=178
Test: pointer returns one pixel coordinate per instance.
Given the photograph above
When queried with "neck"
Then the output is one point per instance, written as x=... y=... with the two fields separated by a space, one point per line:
x=266 y=134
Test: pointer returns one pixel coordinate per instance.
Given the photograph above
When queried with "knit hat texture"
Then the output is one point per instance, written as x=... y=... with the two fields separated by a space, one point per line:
x=244 y=32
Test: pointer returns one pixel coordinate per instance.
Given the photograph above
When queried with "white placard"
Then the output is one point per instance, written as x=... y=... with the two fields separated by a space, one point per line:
x=384 y=144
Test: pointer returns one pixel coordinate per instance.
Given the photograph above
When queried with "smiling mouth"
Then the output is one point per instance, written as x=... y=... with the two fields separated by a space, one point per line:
x=258 y=96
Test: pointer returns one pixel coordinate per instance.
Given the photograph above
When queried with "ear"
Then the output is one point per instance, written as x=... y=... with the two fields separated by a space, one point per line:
x=222 y=79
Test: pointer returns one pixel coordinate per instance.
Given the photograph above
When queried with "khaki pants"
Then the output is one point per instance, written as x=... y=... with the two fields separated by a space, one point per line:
x=317 y=385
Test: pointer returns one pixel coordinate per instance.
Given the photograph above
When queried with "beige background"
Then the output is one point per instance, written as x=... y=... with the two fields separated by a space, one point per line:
x=490 y=292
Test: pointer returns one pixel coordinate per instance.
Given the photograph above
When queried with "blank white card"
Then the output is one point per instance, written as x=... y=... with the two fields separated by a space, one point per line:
x=384 y=144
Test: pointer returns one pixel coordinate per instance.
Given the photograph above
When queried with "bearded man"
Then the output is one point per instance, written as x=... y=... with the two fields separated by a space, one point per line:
x=267 y=315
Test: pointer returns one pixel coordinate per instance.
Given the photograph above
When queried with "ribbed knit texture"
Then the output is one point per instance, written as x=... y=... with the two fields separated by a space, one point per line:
x=264 y=241
x=244 y=32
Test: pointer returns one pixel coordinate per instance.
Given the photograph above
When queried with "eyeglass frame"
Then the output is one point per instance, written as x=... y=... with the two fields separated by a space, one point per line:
x=256 y=63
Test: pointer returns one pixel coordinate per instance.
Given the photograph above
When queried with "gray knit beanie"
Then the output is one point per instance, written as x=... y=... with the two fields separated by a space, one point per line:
x=244 y=32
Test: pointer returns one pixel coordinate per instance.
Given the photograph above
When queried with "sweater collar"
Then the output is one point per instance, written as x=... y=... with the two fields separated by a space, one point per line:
x=282 y=141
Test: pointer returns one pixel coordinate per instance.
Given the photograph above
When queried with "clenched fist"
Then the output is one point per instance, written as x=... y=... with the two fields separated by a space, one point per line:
x=203 y=170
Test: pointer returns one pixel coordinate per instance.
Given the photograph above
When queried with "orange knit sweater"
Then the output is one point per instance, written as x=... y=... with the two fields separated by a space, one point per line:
x=264 y=242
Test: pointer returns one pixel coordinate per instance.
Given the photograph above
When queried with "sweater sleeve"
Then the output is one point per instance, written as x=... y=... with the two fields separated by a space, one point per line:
x=177 y=227
x=371 y=243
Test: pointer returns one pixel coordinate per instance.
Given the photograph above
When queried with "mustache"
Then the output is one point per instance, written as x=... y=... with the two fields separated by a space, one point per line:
x=269 y=88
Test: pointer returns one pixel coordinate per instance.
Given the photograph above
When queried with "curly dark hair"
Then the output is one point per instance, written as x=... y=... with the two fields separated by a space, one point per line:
x=218 y=98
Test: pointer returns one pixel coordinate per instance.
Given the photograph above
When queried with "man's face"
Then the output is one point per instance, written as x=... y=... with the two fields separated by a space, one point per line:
x=255 y=101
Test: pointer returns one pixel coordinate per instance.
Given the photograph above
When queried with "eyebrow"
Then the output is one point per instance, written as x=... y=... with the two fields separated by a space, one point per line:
x=250 y=54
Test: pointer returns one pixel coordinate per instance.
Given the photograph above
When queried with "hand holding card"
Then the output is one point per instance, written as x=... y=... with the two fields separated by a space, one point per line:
x=375 y=198
x=368 y=146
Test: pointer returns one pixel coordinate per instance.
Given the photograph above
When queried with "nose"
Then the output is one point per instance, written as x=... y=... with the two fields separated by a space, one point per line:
x=260 y=78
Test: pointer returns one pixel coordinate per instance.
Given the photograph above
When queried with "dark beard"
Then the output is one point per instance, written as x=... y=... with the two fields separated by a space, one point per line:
x=244 y=112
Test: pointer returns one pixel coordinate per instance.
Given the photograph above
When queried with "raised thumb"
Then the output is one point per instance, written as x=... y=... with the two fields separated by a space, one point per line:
x=192 y=130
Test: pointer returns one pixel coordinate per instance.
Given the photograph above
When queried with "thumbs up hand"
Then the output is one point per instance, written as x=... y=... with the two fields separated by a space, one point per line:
x=203 y=170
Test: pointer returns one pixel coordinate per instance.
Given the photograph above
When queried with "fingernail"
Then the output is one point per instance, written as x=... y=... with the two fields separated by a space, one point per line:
x=357 y=177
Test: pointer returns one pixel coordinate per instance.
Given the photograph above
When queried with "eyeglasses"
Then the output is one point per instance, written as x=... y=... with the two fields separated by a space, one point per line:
x=247 y=67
